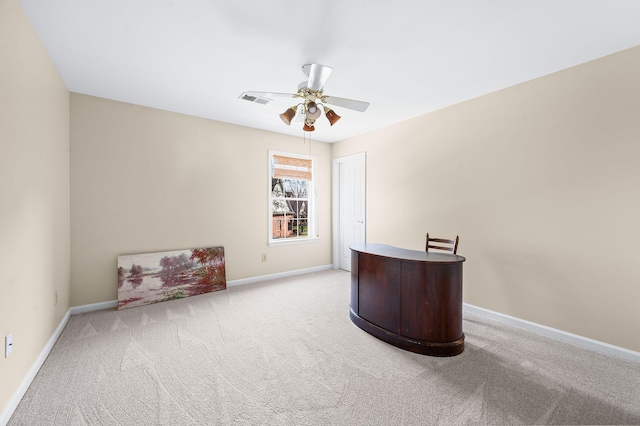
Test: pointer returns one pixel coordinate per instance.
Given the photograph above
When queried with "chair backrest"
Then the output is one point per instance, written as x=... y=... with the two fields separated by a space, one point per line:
x=443 y=244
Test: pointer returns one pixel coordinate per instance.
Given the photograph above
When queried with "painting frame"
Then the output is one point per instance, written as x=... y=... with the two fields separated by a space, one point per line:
x=155 y=277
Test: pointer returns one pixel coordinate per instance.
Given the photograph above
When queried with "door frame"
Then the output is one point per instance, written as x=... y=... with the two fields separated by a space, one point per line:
x=336 y=202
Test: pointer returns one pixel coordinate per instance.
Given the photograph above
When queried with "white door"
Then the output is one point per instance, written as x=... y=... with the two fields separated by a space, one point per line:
x=351 y=206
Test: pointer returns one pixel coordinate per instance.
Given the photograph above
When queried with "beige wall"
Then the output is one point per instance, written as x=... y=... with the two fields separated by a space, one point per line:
x=542 y=183
x=34 y=196
x=145 y=180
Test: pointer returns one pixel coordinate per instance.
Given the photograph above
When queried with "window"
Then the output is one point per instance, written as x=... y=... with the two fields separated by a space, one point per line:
x=291 y=198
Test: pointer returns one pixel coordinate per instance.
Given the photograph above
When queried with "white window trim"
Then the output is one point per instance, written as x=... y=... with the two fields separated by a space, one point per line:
x=313 y=211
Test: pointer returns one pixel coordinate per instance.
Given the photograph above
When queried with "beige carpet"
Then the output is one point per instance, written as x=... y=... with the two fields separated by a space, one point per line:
x=284 y=352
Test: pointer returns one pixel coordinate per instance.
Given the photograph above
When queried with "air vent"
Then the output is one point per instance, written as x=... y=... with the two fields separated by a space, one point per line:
x=255 y=99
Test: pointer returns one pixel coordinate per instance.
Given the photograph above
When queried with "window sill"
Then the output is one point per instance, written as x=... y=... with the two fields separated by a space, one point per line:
x=289 y=241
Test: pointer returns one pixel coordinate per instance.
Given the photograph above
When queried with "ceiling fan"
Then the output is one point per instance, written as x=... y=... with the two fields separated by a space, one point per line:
x=312 y=98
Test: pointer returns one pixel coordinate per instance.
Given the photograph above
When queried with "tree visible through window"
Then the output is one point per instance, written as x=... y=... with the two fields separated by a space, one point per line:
x=291 y=197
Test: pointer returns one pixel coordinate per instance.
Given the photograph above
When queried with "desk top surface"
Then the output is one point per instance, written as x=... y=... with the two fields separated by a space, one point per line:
x=406 y=254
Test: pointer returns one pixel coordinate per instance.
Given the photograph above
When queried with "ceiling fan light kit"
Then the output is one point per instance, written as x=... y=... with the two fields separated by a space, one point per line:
x=331 y=115
x=308 y=125
x=312 y=94
x=288 y=115
x=313 y=112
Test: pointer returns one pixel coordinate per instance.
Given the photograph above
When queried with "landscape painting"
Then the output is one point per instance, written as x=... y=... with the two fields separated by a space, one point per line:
x=157 y=277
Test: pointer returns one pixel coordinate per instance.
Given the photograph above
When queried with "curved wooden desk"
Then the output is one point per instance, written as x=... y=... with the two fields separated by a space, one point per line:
x=410 y=299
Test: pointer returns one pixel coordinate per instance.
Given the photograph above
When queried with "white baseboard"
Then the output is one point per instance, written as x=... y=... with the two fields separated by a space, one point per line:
x=574 y=339
x=279 y=275
x=33 y=371
x=75 y=310
x=114 y=303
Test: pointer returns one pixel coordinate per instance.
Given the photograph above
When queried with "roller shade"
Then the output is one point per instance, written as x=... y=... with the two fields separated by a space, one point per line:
x=291 y=168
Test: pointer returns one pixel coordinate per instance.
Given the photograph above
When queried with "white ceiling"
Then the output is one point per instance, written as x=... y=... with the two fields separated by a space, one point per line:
x=405 y=57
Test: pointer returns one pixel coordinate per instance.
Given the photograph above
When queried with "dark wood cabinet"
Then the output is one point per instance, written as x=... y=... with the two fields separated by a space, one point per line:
x=410 y=299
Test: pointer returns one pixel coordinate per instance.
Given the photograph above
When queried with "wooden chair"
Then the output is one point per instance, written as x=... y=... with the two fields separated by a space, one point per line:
x=452 y=245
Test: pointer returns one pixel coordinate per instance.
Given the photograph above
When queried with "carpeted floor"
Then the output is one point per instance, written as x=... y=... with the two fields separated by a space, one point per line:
x=284 y=352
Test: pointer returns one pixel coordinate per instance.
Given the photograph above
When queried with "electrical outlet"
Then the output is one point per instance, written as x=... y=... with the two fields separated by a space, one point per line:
x=8 y=345
x=55 y=298
x=264 y=257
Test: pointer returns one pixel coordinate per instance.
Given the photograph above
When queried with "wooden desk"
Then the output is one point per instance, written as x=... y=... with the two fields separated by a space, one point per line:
x=410 y=299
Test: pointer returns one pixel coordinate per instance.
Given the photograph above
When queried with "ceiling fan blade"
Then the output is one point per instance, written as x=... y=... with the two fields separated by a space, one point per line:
x=346 y=103
x=318 y=75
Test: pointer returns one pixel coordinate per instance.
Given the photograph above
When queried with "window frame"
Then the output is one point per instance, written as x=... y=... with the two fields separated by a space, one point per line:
x=312 y=217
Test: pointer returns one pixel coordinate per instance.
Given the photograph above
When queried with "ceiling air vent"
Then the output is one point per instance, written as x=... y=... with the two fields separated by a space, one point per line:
x=255 y=99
